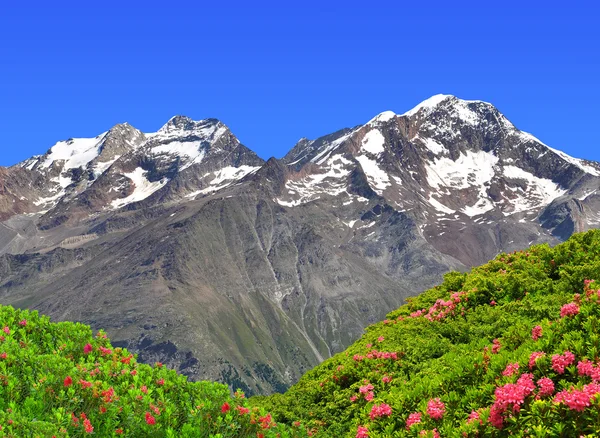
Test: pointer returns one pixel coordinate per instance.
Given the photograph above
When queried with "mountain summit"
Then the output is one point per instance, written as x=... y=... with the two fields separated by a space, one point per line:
x=190 y=249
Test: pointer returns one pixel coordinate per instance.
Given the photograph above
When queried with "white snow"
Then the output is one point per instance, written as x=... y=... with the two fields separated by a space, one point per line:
x=539 y=192
x=385 y=116
x=324 y=154
x=143 y=188
x=482 y=206
x=428 y=104
x=102 y=167
x=224 y=178
x=433 y=145
x=470 y=169
x=331 y=182
x=192 y=150
x=377 y=177
x=76 y=152
x=373 y=142
x=439 y=206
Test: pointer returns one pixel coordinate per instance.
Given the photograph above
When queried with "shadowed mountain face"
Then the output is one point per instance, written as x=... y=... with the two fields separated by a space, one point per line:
x=191 y=250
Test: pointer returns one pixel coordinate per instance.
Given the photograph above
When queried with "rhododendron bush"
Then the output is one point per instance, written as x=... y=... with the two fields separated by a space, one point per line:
x=510 y=349
x=57 y=380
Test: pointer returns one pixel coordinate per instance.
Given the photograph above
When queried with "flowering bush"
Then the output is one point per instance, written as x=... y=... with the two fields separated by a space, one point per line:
x=506 y=350
x=57 y=380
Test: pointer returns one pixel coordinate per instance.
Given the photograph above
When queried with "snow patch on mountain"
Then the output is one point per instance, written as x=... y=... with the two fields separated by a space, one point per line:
x=192 y=151
x=328 y=149
x=539 y=191
x=428 y=104
x=377 y=177
x=373 y=142
x=224 y=178
x=470 y=169
x=331 y=182
x=431 y=144
x=439 y=206
x=143 y=188
x=383 y=117
x=75 y=152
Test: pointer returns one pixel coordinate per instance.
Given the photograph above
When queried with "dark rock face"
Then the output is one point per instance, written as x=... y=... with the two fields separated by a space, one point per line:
x=191 y=250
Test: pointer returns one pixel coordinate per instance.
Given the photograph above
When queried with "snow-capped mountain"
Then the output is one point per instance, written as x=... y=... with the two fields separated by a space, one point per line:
x=190 y=249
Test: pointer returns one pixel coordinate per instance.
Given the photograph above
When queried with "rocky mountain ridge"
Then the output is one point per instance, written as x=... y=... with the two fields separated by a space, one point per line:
x=190 y=249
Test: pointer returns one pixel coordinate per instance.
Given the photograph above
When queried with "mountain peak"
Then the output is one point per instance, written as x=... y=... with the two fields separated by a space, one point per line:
x=382 y=117
x=184 y=123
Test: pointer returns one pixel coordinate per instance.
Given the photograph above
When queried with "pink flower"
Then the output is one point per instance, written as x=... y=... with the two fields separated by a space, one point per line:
x=534 y=357
x=150 y=419
x=546 y=386
x=560 y=362
x=23 y=322
x=496 y=347
x=369 y=396
x=386 y=379
x=6 y=330
x=353 y=398
x=366 y=388
x=413 y=418
x=87 y=348
x=496 y=418
x=380 y=339
x=585 y=368
x=362 y=432
x=536 y=332
x=570 y=309
x=492 y=303
x=511 y=369
x=382 y=410
x=225 y=407
x=436 y=408
x=473 y=416
x=68 y=381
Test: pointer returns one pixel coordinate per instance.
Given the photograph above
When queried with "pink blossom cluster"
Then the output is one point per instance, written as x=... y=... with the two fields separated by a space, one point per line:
x=536 y=332
x=436 y=408
x=561 y=361
x=413 y=418
x=570 y=309
x=374 y=354
x=511 y=369
x=546 y=387
x=382 y=410
x=434 y=432
x=367 y=390
x=511 y=395
x=441 y=309
x=576 y=399
x=496 y=346
x=473 y=416
x=534 y=357
x=362 y=432
x=587 y=368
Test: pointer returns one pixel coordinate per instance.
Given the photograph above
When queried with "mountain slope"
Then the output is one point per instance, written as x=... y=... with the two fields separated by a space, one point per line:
x=191 y=250
x=509 y=349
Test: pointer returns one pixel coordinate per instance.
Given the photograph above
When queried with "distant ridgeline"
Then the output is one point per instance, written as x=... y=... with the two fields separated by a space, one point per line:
x=509 y=349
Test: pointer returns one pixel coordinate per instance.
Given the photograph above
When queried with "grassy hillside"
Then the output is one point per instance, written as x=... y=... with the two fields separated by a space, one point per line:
x=509 y=349
x=56 y=379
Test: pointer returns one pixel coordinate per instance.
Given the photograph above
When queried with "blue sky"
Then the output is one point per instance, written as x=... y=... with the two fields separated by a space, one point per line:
x=275 y=72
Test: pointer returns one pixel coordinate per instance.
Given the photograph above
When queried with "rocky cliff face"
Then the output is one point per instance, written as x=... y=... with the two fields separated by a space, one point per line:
x=191 y=250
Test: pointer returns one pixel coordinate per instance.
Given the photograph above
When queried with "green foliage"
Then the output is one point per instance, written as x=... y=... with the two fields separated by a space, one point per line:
x=56 y=379
x=454 y=342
